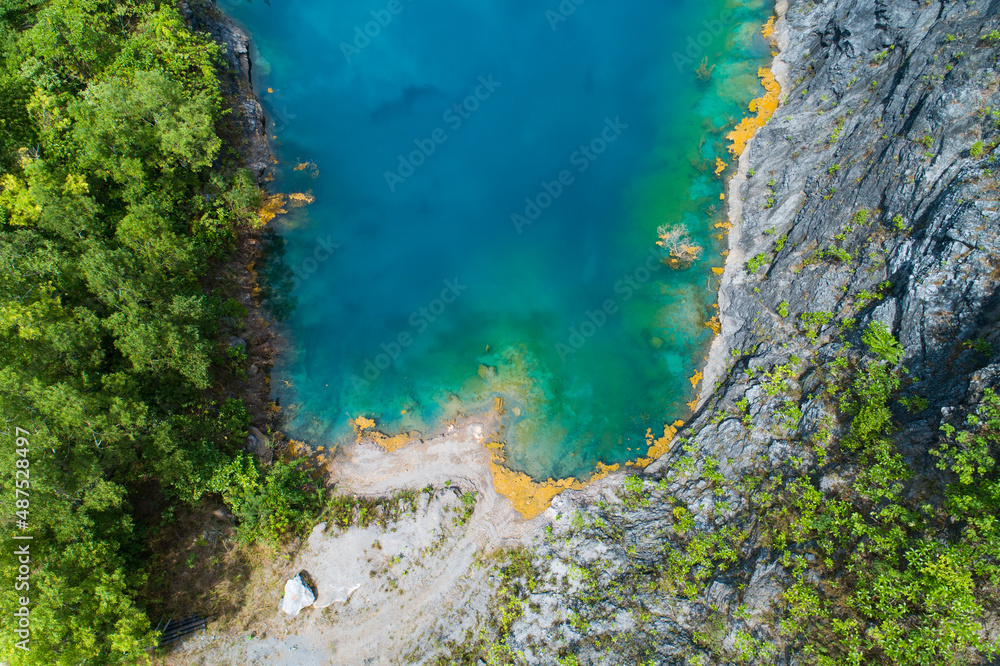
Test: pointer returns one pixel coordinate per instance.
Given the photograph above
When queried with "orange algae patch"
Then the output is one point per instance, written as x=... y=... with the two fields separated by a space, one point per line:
x=764 y=107
x=657 y=446
x=272 y=206
x=697 y=377
x=528 y=496
x=365 y=427
x=361 y=423
x=393 y=443
x=714 y=324
x=768 y=29
x=718 y=270
x=296 y=449
x=720 y=166
x=297 y=199
x=310 y=166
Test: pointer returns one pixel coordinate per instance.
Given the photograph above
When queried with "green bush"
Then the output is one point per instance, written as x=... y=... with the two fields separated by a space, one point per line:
x=757 y=262
x=812 y=322
x=268 y=503
x=838 y=253
x=882 y=343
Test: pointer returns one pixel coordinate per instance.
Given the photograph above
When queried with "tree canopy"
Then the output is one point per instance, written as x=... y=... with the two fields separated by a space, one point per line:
x=114 y=207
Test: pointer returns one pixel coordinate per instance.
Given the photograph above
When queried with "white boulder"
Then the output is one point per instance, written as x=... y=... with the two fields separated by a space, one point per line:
x=297 y=596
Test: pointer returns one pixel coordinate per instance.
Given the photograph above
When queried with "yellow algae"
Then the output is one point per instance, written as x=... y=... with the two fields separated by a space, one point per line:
x=272 y=206
x=498 y=405
x=603 y=471
x=528 y=496
x=365 y=428
x=725 y=224
x=697 y=377
x=722 y=197
x=720 y=165
x=393 y=443
x=656 y=447
x=718 y=270
x=295 y=449
x=299 y=199
x=714 y=324
x=310 y=166
x=768 y=29
x=693 y=405
x=763 y=107
x=362 y=423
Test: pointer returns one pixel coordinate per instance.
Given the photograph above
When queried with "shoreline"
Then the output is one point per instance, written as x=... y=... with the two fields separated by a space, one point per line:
x=714 y=368
x=245 y=130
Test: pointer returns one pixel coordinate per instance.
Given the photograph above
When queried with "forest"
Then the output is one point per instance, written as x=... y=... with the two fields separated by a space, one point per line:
x=118 y=204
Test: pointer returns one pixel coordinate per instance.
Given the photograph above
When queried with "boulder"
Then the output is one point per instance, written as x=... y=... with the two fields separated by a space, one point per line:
x=260 y=445
x=297 y=596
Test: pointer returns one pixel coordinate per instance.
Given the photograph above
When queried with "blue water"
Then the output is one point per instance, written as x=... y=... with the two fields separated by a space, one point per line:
x=488 y=183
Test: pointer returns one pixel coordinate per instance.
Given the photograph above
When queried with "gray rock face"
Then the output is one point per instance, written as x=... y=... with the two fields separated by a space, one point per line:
x=247 y=125
x=871 y=153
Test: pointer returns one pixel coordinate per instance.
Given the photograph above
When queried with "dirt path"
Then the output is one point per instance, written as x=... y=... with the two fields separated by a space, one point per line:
x=408 y=587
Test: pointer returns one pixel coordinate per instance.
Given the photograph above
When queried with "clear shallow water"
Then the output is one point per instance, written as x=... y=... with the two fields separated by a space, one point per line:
x=489 y=180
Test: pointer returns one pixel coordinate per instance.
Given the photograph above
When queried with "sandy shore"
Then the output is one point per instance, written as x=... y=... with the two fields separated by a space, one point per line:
x=385 y=592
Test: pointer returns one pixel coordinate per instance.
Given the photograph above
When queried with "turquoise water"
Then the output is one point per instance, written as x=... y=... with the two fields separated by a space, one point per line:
x=489 y=177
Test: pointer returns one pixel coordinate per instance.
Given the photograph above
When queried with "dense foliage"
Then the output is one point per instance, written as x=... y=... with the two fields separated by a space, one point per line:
x=906 y=570
x=114 y=207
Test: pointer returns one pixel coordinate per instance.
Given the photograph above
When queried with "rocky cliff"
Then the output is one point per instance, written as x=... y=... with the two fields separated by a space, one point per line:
x=869 y=197
x=245 y=129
